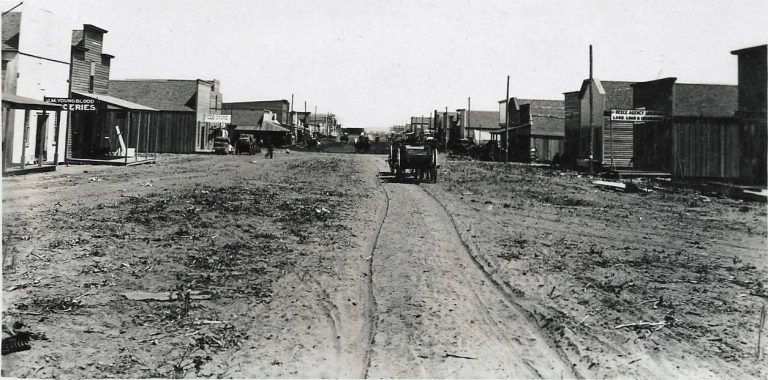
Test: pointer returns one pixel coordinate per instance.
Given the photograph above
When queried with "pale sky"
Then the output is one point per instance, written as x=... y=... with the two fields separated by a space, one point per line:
x=375 y=64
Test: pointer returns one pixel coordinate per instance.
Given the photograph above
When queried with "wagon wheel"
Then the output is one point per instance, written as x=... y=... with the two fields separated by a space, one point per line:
x=391 y=159
x=433 y=169
x=398 y=166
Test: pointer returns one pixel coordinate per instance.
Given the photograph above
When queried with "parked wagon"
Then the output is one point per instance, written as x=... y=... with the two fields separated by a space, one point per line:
x=246 y=144
x=418 y=160
x=221 y=145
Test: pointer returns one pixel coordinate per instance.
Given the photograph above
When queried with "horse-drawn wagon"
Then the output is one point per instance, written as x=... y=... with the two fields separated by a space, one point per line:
x=413 y=158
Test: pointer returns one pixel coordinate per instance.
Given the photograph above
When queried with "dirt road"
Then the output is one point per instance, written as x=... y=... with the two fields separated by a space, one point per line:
x=311 y=266
x=436 y=313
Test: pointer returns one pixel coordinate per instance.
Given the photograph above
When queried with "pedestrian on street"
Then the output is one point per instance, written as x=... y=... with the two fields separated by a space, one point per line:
x=270 y=150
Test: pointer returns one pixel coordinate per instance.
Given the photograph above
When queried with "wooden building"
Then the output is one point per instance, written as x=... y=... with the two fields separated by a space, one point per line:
x=584 y=118
x=536 y=129
x=12 y=103
x=752 y=107
x=324 y=124
x=182 y=107
x=711 y=132
x=108 y=130
x=281 y=109
x=752 y=82
x=704 y=134
x=263 y=125
x=33 y=69
x=477 y=125
x=420 y=124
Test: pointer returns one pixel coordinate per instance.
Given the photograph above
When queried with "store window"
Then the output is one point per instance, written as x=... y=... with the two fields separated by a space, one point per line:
x=92 y=79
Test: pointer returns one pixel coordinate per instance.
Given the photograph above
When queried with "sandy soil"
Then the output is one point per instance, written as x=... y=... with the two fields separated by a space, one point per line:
x=279 y=244
x=581 y=261
x=309 y=265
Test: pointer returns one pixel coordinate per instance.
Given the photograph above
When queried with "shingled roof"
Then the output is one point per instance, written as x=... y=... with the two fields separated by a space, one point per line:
x=545 y=107
x=547 y=126
x=245 y=116
x=483 y=119
x=683 y=99
x=618 y=94
x=708 y=100
x=161 y=94
x=11 y=29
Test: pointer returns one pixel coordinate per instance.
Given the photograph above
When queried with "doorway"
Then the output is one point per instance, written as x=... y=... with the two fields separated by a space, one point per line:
x=41 y=137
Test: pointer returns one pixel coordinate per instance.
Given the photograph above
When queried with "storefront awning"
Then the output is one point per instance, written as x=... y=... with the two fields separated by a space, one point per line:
x=21 y=102
x=116 y=102
x=267 y=126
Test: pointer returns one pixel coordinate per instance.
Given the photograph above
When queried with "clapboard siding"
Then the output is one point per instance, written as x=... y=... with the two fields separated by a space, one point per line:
x=547 y=147
x=175 y=131
x=653 y=146
x=81 y=63
x=618 y=149
x=719 y=148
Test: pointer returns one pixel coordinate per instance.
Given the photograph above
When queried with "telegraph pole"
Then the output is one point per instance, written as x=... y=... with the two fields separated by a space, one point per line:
x=306 y=125
x=506 y=124
x=469 y=126
x=591 y=123
x=445 y=129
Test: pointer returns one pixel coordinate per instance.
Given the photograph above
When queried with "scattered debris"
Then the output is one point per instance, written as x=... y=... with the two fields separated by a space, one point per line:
x=619 y=186
x=760 y=333
x=448 y=355
x=165 y=296
x=668 y=320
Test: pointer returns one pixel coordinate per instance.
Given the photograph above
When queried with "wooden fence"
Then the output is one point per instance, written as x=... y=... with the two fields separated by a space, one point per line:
x=719 y=148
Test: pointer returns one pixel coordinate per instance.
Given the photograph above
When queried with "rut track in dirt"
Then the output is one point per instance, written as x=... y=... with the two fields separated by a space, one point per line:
x=502 y=288
x=370 y=308
x=437 y=312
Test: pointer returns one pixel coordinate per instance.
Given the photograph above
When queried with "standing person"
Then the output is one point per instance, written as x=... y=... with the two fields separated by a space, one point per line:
x=270 y=150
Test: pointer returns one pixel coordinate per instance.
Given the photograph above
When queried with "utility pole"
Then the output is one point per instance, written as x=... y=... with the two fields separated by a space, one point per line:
x=591 y=122
x=467 y=123
x=445 y=129
x=506 y=124
x=306 y=124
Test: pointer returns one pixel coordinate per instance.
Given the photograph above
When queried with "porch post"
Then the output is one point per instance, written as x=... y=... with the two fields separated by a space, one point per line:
x=24 y=140
x=138 y=139
x=146 y=143
x=7 y=137
x=41 y=140
x=56 y=133
x=127 y=135
x=157 y=132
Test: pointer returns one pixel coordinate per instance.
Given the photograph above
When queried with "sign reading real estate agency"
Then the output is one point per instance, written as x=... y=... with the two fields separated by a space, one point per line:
x=210 y=118
x=636 y=115
x=72 y=104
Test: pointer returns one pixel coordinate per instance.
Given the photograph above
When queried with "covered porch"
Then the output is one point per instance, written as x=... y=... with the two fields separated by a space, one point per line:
x=269 y=132
x=40 y=162
x=119 y=133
